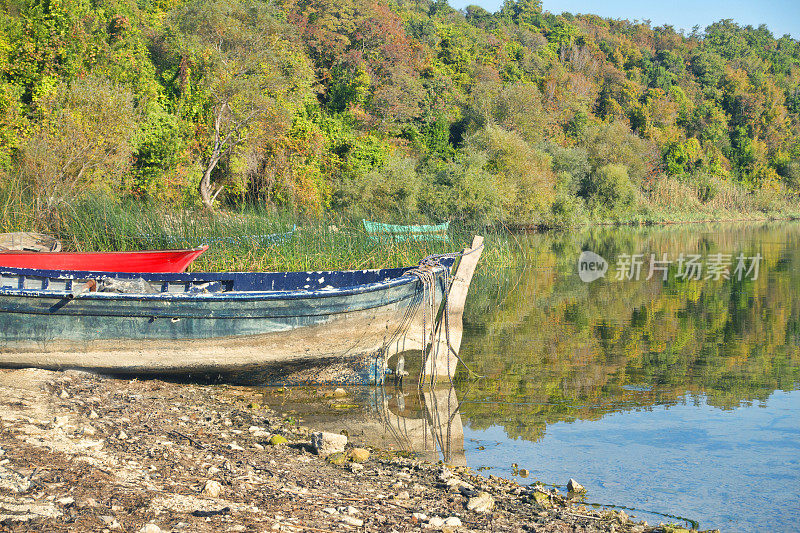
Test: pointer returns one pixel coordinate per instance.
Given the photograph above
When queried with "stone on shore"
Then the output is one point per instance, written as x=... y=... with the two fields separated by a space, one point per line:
x=358 y=455
x=324 y=443
x=212 y=489
x=482 y=503
x=453 y=521
x=275 y=440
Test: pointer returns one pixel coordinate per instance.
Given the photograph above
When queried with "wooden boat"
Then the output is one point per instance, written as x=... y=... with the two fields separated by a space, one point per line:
x=291 y=327
x=29 y=241
x=144 y=261
x=425 y=232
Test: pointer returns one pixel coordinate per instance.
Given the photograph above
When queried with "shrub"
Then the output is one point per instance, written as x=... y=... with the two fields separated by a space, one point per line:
x=609 y=190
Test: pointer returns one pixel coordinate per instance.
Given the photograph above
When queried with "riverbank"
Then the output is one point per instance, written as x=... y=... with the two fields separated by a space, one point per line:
x=82 y=452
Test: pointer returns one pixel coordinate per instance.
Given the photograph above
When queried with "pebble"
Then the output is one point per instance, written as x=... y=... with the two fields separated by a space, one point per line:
x=64 y=394
x=275 y=440
x=482 y=503
x=235 y=447
x=355 y=467
x=340 y=392
x=69 y=500
x=453 y=521
x=351 y=520
x=330 y=510
x=212 y=489
x=358 y=455
x=436 y=521
x=337 y=458
x=110 y=522
x=324 y=443
x=93 y=415
x=419 y=516
x=403 y=495
x=150 y=528
x=122 y=435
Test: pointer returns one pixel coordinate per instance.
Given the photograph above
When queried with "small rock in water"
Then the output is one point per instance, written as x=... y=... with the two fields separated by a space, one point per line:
x=482 y=503
x=523 y=472
x=340 y=392
x=574 y=486
x=212 y=489
x=324 y=443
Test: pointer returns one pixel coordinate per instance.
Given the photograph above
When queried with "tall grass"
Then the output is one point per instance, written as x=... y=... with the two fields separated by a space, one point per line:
x=246 y=240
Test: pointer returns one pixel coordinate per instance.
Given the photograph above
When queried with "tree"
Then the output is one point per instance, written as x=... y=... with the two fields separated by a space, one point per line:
x=250 y=73
x=81 y=141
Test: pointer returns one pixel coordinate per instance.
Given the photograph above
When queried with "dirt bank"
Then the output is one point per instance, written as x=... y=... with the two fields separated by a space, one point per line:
x=87 y=453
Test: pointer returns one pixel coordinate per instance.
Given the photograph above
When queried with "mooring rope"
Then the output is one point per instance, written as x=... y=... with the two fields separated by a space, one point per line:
x=426 y=273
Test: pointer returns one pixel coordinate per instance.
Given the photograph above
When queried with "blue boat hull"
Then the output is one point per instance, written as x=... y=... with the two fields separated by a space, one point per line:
x=331 y=329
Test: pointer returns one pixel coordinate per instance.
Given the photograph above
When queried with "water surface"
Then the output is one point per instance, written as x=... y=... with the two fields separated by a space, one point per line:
x=677 y=396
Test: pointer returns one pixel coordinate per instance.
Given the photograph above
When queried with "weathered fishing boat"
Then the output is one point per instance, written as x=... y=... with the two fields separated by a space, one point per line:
x=420 y=232
x=290 y=327
x=143 y=261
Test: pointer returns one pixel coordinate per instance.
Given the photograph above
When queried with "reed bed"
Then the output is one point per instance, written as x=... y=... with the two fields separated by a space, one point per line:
x=251 y=239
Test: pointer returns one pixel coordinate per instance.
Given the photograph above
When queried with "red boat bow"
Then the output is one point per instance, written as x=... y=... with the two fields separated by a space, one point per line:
x=145 y=261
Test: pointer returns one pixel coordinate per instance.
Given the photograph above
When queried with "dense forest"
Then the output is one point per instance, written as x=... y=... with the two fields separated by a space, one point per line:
x=395 y=109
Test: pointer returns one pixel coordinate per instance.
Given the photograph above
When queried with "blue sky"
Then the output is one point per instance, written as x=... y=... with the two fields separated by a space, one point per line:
x=780 y=16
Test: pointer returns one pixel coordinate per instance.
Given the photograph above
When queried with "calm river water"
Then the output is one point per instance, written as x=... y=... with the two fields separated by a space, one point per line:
x=676 y=394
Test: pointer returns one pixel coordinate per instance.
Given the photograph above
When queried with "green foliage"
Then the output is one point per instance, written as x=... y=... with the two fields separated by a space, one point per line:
x=399 y=110
x=158 y=150
x=609 y=190
x=81 y=143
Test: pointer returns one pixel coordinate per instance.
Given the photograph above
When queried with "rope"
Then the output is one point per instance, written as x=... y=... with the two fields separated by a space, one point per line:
x=426 y=273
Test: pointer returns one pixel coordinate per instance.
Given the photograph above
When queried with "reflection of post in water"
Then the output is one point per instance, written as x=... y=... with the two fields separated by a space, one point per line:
x=426 y=422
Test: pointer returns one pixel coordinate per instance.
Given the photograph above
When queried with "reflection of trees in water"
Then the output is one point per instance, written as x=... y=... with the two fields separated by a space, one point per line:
x=553 y=348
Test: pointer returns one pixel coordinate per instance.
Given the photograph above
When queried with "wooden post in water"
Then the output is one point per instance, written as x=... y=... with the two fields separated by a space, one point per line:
x=441 y=361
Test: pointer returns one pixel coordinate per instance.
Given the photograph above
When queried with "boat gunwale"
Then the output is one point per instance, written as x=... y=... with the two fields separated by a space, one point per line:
x=255 y=295
x=203 y=247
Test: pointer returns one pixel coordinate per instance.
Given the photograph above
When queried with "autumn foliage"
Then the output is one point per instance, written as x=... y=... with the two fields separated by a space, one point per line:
x=397 y=110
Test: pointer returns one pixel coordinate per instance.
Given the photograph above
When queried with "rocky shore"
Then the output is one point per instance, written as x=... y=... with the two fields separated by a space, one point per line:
x=82 y=452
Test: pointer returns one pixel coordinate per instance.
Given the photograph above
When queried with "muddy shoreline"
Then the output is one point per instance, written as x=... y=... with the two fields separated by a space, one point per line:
x=82 y=452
